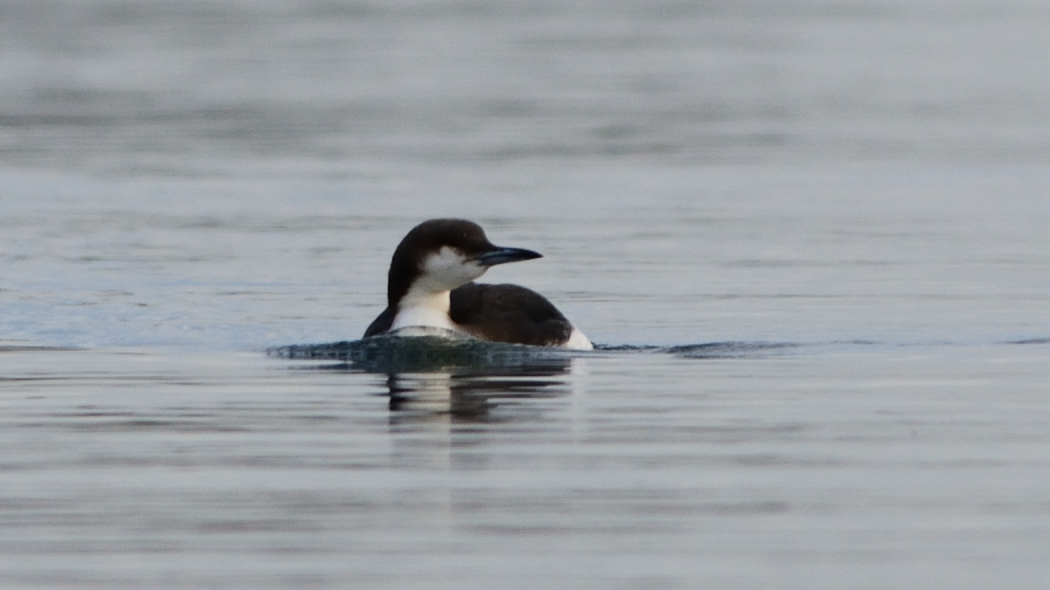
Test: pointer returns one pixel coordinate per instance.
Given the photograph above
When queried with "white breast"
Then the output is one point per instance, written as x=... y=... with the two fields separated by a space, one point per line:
x=425 y=309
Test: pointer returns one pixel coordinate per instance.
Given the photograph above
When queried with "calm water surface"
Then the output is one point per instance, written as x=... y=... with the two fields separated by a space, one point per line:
x=810 y=236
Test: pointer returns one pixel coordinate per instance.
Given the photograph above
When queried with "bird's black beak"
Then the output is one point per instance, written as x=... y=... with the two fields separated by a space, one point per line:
x=504 y=255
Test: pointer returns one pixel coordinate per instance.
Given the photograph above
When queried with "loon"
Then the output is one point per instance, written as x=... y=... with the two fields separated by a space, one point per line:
x=430 y=285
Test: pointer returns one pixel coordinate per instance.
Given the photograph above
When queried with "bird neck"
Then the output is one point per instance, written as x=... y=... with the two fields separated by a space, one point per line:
x=424 y=308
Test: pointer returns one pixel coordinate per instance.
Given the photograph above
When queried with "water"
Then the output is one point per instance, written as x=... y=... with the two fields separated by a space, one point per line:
x=809 y=236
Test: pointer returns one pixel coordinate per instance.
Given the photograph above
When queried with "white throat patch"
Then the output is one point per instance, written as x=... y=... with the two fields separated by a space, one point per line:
x=427 y=301
x=447 y=269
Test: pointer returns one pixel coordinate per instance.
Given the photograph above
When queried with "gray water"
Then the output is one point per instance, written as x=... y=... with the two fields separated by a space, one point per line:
x=811 y=238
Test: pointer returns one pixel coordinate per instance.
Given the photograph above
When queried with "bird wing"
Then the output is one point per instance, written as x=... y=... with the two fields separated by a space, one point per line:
x=508 y=313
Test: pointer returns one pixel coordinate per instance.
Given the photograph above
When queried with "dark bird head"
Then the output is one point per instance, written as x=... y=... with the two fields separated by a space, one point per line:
x=441 y=254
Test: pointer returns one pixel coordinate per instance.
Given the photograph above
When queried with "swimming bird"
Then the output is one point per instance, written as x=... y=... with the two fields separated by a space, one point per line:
x=430 y=285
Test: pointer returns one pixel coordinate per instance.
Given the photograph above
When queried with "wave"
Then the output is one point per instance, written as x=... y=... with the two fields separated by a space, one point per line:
x=445 y=349
x=392 y=353
x=727 y=349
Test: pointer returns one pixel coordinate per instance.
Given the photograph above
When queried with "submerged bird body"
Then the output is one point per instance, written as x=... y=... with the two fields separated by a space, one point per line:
x=430 y=285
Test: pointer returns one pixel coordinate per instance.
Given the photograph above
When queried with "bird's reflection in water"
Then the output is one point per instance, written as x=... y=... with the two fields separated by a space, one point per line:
x=450 y=400
x=464 y=380
x=471 y=393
